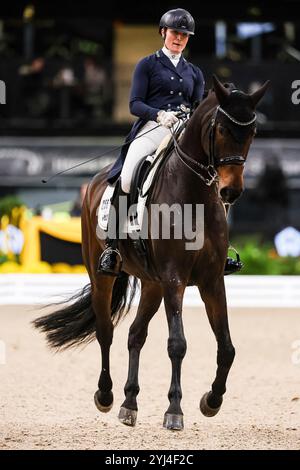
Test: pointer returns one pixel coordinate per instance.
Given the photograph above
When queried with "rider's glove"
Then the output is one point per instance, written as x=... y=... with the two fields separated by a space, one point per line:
x=167 y=118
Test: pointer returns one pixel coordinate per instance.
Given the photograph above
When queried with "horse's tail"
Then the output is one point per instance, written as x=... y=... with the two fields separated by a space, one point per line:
x=122 y=297
x=75 y=323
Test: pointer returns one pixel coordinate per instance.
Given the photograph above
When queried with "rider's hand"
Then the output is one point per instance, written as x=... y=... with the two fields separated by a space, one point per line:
x=167 y=118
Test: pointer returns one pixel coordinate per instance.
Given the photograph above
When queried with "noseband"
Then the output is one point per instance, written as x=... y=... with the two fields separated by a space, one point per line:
x=213 y=162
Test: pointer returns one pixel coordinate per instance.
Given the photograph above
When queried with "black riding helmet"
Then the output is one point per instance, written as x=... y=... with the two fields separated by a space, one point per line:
x=178 y=19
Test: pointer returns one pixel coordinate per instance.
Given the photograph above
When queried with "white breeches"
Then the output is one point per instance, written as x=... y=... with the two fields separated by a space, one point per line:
x=139 y=148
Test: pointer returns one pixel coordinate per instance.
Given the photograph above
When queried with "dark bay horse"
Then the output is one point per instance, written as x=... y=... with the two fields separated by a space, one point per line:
x=205 y=167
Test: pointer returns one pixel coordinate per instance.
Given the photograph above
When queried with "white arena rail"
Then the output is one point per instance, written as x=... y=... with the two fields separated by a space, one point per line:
x=242 y=291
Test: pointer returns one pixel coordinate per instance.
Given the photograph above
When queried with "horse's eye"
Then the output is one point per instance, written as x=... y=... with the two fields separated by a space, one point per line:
x=221 y=129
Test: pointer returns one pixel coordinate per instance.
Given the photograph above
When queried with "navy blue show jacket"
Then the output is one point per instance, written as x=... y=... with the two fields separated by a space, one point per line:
x=157 y=84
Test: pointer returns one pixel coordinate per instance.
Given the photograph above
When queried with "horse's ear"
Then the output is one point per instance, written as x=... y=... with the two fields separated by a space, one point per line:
x=222 y=93
x=257 y=95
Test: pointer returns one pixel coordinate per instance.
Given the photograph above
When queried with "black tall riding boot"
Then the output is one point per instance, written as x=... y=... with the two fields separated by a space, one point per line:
x=233 y=265
x=110 y=261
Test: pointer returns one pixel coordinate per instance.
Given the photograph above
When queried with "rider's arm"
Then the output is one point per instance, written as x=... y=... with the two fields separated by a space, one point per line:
x=199 y=85
x=139 y=91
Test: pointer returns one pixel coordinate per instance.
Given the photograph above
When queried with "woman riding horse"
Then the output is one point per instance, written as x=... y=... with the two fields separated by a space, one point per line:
x=162 y=83
x=205 y=168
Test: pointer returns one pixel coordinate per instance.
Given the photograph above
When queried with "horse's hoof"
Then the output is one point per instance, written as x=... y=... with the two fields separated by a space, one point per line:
x=127 y=416
x=173 y=422
x=206 y=410
x=103 y=401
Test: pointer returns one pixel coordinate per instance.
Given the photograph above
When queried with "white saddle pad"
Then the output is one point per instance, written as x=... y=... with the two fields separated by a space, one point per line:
x=104 y=207
x=134 y=223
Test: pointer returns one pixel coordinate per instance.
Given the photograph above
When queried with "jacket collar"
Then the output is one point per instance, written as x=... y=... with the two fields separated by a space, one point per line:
x=167 y=63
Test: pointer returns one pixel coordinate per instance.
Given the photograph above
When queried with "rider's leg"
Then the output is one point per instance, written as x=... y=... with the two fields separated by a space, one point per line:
x=110 y=261
x=139 y=148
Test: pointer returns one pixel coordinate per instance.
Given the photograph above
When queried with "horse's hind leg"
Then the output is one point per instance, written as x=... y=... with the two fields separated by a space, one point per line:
x=216 y=308
x=101 y=301
x=102 y=288
x=151 y=296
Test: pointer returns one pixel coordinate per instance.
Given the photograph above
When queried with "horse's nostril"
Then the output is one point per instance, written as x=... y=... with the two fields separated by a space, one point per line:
x=230 y=194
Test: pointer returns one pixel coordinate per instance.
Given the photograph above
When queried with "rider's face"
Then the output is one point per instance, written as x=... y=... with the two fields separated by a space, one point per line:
x=175 y=41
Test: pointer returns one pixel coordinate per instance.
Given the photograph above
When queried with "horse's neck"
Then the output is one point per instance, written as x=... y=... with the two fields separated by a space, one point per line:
x=183 y=181
x=196 y=130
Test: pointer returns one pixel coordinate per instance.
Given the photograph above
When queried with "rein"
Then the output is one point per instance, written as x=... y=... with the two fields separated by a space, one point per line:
x=213 y=163
x=212 y=175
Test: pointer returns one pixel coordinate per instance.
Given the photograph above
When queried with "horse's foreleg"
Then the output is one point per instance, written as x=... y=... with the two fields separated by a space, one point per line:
x=173 y=296
x=151 y=295
x=216 y=308
x=101 y=301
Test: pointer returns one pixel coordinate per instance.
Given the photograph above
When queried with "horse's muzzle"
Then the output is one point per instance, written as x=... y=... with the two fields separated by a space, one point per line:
x=230 y=195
